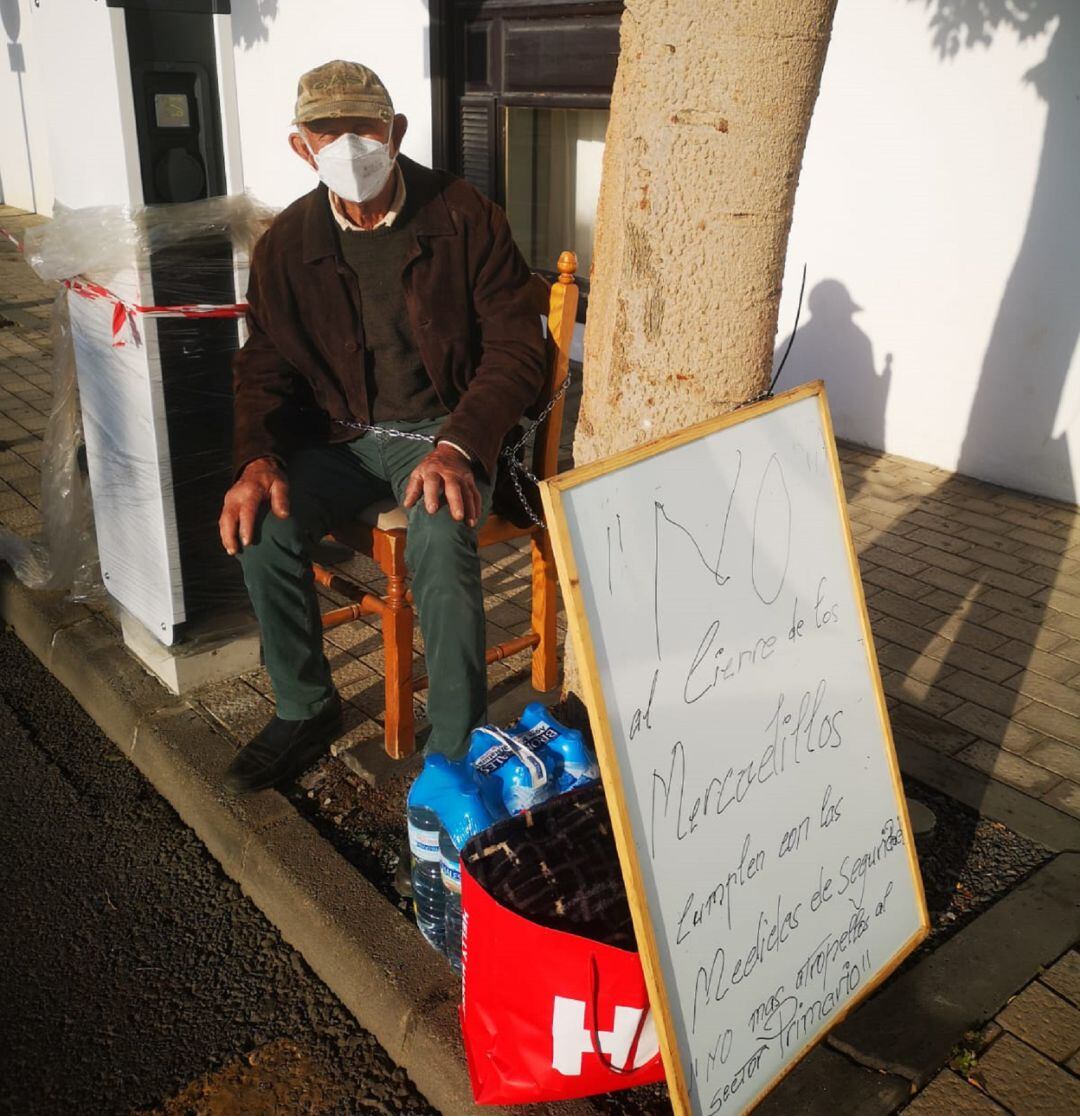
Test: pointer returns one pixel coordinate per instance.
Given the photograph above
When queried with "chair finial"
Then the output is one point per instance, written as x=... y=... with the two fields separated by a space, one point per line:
x=567 y=266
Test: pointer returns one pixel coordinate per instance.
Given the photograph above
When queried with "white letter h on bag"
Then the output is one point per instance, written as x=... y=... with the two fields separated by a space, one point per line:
x=570 y=1038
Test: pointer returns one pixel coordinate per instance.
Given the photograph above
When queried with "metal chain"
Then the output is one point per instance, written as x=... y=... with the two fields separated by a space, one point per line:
x=563 y=388
x=385 y=432
x=759 y=398
x=517 y=468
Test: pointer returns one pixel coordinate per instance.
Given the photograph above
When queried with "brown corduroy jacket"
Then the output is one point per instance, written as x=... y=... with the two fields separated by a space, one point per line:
x=467 y=289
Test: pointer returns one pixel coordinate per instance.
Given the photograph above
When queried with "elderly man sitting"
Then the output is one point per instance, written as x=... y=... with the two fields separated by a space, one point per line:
x=393 y=345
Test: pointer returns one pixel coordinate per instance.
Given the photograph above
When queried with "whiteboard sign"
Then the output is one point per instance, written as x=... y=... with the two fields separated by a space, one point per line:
x=716 y=609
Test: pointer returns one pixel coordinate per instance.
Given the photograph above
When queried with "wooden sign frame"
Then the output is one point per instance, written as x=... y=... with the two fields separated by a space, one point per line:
x=551 y=493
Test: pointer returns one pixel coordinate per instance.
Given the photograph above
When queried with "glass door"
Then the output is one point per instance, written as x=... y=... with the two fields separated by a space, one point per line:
x=551 y=177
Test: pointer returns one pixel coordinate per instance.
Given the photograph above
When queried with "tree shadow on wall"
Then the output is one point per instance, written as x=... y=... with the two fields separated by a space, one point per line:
x=251 y=21
x=968 y=651
x=1035 y=333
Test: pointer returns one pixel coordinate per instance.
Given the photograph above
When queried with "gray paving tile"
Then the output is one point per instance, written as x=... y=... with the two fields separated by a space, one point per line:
x=1064 y=977
x=1025 y=1082
x=1044 y=1021
x=949 y=1095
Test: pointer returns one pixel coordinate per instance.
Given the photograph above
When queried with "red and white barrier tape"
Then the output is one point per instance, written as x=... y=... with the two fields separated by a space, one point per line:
x=9 y=236
x=125 y=313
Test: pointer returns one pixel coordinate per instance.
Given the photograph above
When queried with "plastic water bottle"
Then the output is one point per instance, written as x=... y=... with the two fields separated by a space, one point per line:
x=487 y=752
x=464 y=815
x=526 y=782
x=579 y=767
x=512 y=775
x=450 y=867
x=425 y=831
x=576 y=766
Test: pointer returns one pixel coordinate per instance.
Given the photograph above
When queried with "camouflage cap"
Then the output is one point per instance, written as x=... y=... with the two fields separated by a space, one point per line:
x=341 y=89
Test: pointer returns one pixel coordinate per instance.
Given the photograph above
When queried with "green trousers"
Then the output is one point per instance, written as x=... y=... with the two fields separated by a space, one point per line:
x=328 y=485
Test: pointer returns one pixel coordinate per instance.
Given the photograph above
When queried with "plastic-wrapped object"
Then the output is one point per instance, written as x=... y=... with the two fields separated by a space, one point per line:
x=425 y=833
x=444 y=811
x=451 y=878
x=463 y=815
x=576 y=765
x=105 y=240
x=154 y=296
x=513 y=776
x=65 y=557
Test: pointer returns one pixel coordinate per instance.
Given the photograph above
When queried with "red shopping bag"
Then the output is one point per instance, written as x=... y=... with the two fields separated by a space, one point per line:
x=547 y=1014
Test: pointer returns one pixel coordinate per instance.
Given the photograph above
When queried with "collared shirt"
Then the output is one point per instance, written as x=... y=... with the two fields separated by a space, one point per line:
x=397 y=204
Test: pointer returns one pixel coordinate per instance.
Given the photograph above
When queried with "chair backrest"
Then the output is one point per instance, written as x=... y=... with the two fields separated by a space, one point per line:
x=559 y=303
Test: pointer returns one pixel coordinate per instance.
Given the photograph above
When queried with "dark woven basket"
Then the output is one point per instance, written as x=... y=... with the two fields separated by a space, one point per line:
x=557 y=866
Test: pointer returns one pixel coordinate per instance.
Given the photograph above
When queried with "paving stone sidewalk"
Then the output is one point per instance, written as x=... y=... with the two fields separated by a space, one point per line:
x=973 y=592
x=974 y=597
x=1026 y=1061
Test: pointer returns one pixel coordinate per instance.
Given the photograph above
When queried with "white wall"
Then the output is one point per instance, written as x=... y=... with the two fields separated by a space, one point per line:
x=25 y=173
x=87 y=103
x=75 y=93
x=277 y=40
x=940 y=195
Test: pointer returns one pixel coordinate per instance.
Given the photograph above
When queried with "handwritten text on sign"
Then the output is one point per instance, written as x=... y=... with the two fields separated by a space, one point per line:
x=716 y=582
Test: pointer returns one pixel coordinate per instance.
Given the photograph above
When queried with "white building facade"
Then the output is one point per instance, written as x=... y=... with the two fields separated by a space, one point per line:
x=936 y=210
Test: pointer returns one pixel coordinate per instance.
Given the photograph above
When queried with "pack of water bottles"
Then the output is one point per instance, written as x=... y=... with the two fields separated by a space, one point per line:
x=505 y=772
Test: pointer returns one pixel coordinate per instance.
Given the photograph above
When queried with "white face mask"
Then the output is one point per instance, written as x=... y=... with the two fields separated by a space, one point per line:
x=354 y=167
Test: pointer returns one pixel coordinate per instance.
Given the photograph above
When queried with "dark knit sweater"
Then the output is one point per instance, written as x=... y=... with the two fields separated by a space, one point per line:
x=398 y=386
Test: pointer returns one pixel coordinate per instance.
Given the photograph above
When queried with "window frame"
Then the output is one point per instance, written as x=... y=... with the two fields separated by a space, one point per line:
x=451 y=95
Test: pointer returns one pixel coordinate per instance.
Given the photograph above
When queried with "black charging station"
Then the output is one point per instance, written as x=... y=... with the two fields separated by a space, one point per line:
x=173 y=65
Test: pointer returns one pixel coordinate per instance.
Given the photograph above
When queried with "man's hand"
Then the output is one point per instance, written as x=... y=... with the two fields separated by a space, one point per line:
x=445 y=471
x=261 y=481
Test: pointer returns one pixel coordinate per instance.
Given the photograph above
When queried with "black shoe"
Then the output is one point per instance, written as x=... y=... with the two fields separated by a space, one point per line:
x=282 y=750
x=403 y=873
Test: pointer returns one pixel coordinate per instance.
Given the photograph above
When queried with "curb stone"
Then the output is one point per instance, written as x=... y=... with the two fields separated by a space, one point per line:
x=827 y=1082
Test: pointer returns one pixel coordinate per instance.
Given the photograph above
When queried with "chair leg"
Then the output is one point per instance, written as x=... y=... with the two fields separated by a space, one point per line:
x=545 y=605
x=397 y=626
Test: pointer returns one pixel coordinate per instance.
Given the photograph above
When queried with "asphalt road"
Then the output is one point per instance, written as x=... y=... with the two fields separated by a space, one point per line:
x=135 y=975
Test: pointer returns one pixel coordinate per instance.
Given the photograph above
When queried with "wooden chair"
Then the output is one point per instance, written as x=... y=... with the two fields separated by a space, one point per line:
x=380 y=534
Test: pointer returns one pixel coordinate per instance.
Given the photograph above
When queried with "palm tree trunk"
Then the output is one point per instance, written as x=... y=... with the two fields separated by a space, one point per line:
x=709 y=116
